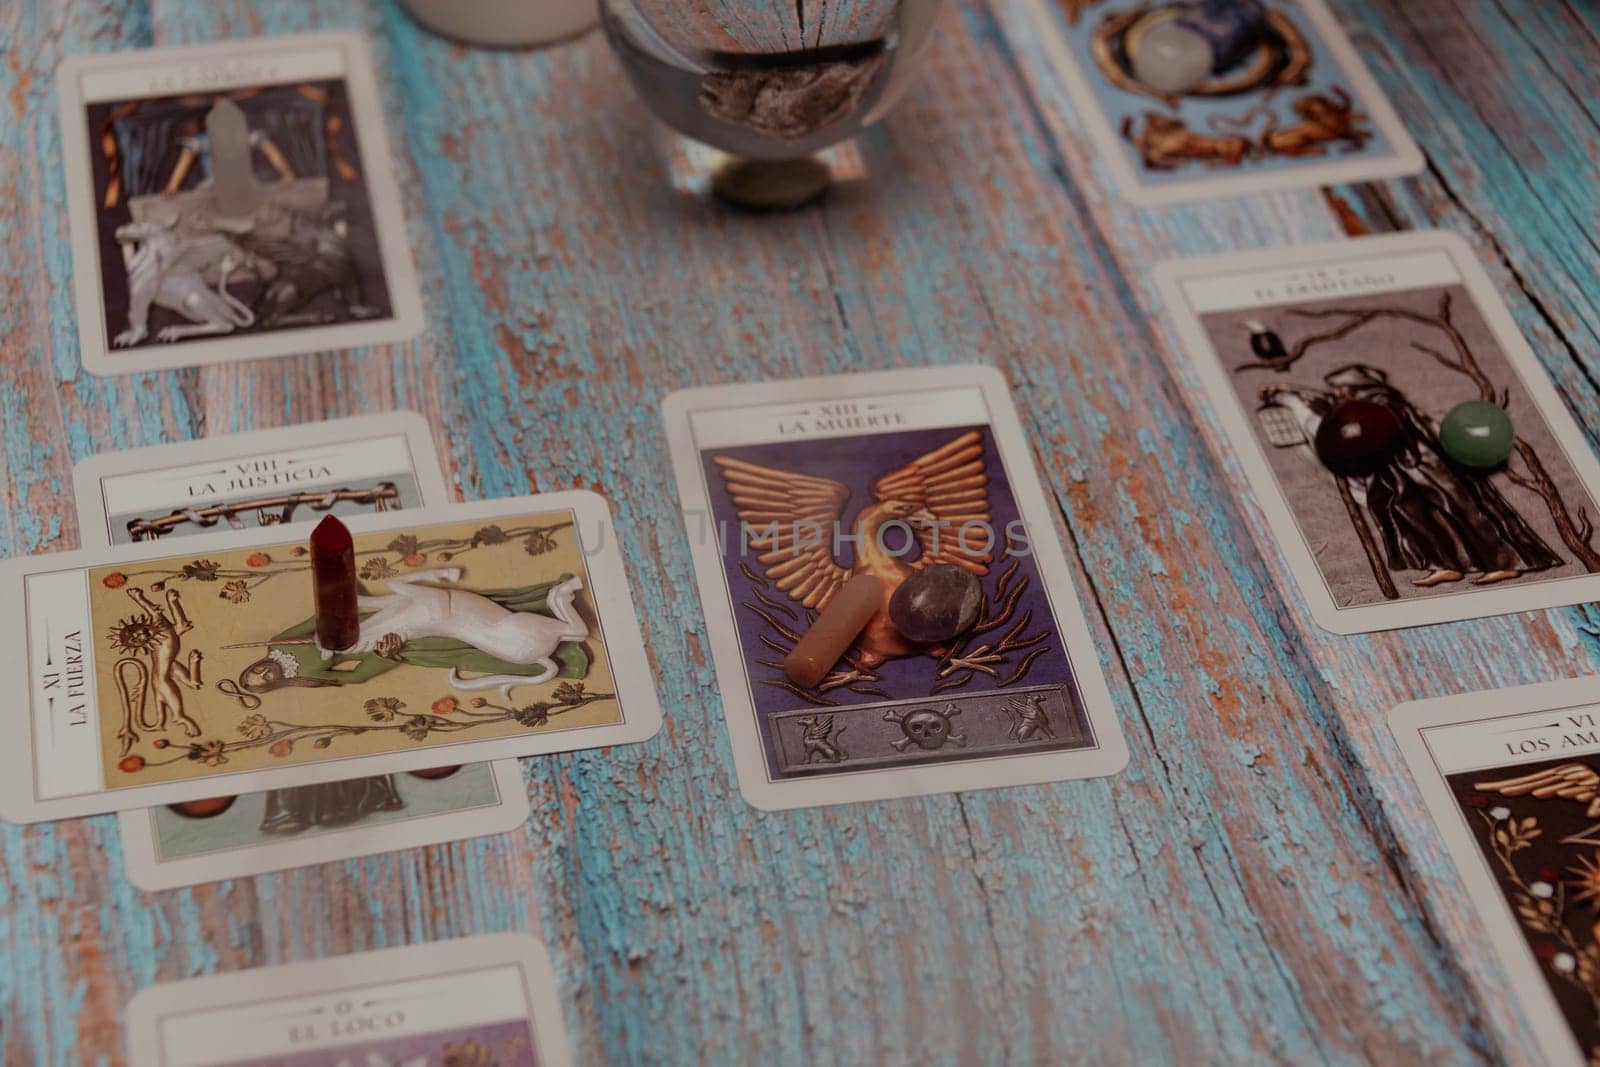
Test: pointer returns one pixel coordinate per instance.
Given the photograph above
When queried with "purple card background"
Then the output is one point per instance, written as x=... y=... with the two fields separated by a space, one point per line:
x=508 y=1044
x=856 y=462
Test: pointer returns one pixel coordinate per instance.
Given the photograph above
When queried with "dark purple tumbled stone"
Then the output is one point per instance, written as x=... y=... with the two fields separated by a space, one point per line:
x=1359 y=438
x=936 y=604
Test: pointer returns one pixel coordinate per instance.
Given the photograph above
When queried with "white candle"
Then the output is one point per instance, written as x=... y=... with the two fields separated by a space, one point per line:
x=505 y=23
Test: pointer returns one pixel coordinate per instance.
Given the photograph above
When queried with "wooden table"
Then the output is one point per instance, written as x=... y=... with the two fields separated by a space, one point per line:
x=1261 y=885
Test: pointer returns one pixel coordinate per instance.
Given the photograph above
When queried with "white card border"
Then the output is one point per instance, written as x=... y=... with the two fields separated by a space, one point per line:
x=1407 y=722
x=1111 y=753
x=149 y=872
x=91 y=472
x=1426 y=611
x=1407 y=158
x=332 y=974
x=608 y=585
x=143 y=866
x=372 y=141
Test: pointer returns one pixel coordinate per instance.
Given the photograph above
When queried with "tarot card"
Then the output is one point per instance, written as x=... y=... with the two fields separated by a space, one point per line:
x=789 y=490
x=277 y=478
x=1512 y=778
x=477 y=1000
x=154 y=676
x=1201 y=98
x=203 y=841
x=232 y=201
x=267 y=478
x=1338 y=371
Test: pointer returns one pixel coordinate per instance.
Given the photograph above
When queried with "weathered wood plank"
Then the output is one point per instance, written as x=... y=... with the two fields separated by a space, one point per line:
x=1260 y=886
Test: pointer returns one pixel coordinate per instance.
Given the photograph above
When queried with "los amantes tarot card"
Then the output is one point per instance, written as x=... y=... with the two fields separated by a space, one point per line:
x=1512 y=778
x=1408 y=326
x=159 y=675
x=232 y=201
x=789 y=489
x=296 y=474
x=475 y=1002
x=1205 y=98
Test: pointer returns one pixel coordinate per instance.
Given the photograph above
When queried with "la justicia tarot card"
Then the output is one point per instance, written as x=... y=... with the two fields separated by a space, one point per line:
x=791 y=490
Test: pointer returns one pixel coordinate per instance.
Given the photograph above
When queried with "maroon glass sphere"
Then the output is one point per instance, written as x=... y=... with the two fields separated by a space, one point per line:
x=1359 y=438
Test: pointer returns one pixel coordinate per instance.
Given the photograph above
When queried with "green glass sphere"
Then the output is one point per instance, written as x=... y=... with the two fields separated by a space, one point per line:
x=1477 y=434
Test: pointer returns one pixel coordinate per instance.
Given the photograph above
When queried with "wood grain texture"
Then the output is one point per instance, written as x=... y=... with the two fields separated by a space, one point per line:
x=1261 y=886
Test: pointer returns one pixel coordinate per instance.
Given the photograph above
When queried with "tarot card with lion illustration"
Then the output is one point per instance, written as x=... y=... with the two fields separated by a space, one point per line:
x=472 y=1002
x=1512 y=779
x=1412 y=457
x=158 y=676
x=280 y=478
x=1188 y=99
x=789 y=490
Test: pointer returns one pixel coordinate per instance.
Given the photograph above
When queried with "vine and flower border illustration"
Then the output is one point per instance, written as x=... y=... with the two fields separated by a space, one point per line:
x=140 y=632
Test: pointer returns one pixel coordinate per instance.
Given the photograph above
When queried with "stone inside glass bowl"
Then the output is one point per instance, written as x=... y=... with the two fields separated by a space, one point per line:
x=769 y=81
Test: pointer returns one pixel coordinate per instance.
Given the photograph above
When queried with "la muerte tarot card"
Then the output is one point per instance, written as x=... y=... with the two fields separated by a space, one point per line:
x=790 y=489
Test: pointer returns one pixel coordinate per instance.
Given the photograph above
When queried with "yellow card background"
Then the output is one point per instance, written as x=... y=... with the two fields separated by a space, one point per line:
x=249 y=596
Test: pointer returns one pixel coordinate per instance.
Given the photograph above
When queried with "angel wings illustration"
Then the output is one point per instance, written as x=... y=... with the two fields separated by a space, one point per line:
x=942 y=497
x=1570 y=781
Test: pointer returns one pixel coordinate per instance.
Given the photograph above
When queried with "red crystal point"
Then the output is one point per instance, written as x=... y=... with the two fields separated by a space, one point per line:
x=331 y=536
x=333 y=575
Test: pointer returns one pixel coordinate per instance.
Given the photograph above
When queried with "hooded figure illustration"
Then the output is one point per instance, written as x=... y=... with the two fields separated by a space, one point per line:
x=1431 y=515
x=291 y=811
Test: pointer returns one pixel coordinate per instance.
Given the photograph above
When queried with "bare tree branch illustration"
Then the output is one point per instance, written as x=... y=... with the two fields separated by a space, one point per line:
x=1576 y=530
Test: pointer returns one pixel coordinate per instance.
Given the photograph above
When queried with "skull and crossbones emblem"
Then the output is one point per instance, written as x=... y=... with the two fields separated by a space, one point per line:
x=926 y=728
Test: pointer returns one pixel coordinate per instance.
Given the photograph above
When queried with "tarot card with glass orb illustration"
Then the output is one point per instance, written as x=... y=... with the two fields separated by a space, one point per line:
x=489 y=1001
x=1512 y=780
x=1412 y=457
x=1189 y=99
x=911 y=496
x=161 y=673
x=232 y=201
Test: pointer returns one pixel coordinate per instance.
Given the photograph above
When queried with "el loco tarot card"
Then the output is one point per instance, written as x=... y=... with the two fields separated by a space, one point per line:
x=1341 y=373
x=474 y=1002
x=232 y=201
x=1209 y=98
x=1512 y=778
x=148 y=675
x=791 y=488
